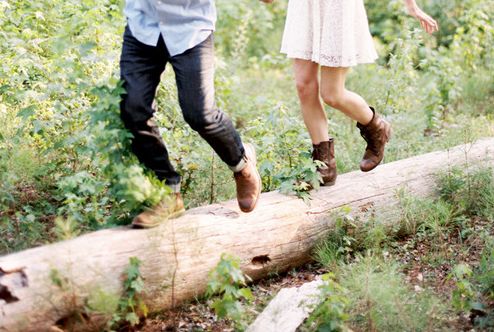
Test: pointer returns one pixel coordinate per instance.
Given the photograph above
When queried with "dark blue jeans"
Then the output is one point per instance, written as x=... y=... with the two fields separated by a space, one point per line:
x=141 y=67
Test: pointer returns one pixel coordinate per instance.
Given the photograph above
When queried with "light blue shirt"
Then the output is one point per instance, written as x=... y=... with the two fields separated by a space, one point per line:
x=182 y=23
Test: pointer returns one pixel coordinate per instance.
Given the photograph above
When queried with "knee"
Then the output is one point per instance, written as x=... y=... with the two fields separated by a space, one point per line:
x=332 y=98
x=135 y=109
x=198 y=123
x=131 y=104
x=307 y=88
x=201 y=120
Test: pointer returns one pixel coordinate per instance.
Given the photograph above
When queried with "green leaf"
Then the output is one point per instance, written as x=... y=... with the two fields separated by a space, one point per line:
x=137 y=285
x=246 y=293
x=26 y=112
x=132 y=318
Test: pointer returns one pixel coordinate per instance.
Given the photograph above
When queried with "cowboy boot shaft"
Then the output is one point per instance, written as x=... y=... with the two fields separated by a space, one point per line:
x=324 y=152
x=377 y=133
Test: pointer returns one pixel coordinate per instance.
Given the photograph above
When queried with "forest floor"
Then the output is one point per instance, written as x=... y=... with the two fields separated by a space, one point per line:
x=419 y=273
x=426 y=262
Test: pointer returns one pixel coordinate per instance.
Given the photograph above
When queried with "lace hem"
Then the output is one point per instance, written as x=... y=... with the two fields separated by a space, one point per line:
x=330 y=60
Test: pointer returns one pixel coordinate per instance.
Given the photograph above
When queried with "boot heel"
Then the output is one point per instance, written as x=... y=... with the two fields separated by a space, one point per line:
x=329 y=184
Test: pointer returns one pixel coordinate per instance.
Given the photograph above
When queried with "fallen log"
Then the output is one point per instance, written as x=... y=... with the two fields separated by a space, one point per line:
x=42 y=286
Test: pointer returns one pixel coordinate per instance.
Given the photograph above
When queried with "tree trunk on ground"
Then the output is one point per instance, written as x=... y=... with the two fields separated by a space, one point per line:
x=42 y=286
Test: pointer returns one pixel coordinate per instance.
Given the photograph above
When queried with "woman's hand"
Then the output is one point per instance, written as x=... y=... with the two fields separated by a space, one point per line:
x=428 y=23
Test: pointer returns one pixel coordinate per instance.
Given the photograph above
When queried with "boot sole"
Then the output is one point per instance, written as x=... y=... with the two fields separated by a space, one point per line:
x=173 y=215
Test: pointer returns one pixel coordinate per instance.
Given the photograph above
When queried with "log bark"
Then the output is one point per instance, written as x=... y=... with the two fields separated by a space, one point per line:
x=42 y=286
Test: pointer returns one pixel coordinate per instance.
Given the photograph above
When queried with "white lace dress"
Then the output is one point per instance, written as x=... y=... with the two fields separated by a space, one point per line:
x=333 y=33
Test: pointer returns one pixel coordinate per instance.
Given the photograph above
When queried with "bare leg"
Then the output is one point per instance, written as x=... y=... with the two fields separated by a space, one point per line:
x=335 y=94
x=307 y=80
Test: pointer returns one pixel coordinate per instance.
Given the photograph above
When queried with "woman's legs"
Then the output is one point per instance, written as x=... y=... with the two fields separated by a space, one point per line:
x=375 y=130
x=307 y=81
x=334 y=93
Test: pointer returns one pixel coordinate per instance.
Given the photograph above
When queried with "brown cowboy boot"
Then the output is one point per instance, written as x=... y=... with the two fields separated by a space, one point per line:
x=377 y=133
x=248 y=181
x=171 y=207
x=324 y=152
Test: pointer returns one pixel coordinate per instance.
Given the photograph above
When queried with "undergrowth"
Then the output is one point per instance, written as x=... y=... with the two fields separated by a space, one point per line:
x=64 y=154
x=364 y=255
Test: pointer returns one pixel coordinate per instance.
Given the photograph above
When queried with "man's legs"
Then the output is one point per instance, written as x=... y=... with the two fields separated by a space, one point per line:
x=141 y=67
x=194 y=72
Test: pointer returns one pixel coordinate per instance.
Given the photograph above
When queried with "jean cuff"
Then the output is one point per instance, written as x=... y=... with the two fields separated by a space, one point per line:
x=174 y=187
x=240 y=166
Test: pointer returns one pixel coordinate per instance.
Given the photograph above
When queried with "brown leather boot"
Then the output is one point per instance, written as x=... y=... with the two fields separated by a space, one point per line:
x=377 y=133
x=169 y=208
x=248 y=181
x=324 y=152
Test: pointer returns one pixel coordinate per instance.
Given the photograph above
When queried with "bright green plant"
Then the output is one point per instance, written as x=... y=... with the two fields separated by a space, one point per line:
x=464 y=293
x=332 y=314
x=472 y=192
x=339 y=243
x=131 y=307
x=485 y=275
x=302 y=178
x=228 y=282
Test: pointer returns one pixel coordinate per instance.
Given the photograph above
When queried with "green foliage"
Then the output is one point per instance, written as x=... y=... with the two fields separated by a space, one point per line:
x=249 y=29
x=463 y=294
x=474 y=287
x=302 y=178
x=485 y=274
x=471 y=192
x=66 y=229
x=485 y=279
x=57 y=279
x=355 y=248
x=381 y=301
x=339 y=243
x=131 y=307
x=332 y=314
x=64 y=153
x=229 y=283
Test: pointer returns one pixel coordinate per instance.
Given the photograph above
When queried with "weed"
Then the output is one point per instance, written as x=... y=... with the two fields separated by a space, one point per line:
x=381 y=301
x=338 y=244
x=66 y=228
x=485 y=274
x=131 y=306
x=464 y=293
x=228 y=282
x=302 y=178
x=332 y=314
x=472 y=192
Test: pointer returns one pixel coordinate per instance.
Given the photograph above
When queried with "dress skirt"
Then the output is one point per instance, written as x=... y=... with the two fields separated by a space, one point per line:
x=333 y=33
